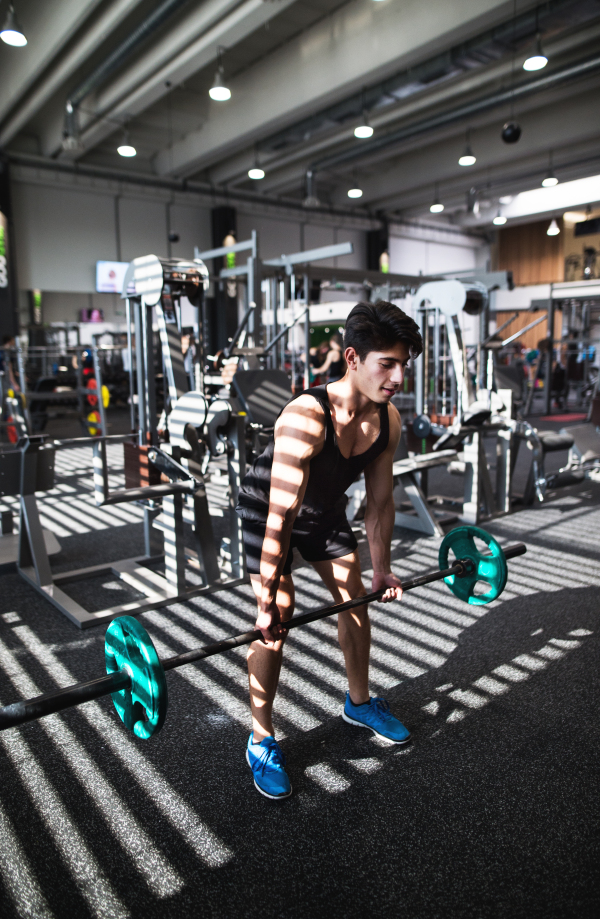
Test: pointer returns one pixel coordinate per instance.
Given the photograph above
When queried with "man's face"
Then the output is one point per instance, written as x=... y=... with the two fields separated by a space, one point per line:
x=381 y=374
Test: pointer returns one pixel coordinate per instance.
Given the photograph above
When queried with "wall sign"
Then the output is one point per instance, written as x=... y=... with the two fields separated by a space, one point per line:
x=110 y=277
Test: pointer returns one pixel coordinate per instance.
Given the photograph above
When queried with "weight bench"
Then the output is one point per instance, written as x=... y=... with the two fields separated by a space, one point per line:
x=411 y=473
x=21 y=478
x=586 y=444
x=583 y=443
x=544 y=442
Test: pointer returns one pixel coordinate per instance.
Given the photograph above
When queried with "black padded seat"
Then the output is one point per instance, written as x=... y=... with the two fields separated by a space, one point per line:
x=263 y=394
x=586 y=438
x=552 y=441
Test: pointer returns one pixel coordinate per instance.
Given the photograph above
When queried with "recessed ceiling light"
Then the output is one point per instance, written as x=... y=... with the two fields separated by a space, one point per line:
x=574 y=216
x=355 y=192
x=256 y=173
x=126 y=150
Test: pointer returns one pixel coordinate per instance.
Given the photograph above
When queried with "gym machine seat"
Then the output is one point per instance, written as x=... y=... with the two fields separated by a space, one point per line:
x=538 y=481
x=263 y=394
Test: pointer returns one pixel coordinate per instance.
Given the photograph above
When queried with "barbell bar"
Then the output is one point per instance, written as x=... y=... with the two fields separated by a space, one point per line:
x=136 y=675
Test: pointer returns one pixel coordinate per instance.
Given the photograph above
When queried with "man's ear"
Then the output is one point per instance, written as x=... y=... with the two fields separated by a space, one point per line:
x=352 y=358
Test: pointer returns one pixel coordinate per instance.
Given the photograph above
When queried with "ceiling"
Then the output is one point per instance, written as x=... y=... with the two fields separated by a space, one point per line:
x=301 y=73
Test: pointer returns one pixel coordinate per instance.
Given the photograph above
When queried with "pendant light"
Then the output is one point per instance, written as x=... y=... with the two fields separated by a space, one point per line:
x=125 y=148
x=12 y=33
x=468 y=158
x=550 y=180
x=363 y=130
x=437 y=207
x=537 y=60
x=219 y=91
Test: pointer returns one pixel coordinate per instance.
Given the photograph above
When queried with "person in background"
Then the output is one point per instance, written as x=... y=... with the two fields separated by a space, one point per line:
x=335 y=363
x=6 y=364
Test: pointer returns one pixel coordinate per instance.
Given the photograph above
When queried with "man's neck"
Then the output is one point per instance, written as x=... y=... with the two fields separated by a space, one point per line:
x=347 y=397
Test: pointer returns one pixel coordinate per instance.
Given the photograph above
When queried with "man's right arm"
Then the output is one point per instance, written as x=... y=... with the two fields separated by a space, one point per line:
x=299 y=436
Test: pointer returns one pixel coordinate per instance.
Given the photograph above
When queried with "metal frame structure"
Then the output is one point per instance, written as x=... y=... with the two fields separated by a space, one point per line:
x=150 y=284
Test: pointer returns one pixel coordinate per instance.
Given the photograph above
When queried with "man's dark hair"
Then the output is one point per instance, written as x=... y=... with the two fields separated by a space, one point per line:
x=378 y=327
x=7 y=338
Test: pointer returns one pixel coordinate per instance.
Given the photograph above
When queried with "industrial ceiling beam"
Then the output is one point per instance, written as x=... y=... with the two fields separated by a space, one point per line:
x=283 y=169
x=64 y=66
x=358 y=43
x=568 y=127
x=184 y=51
x=49 y=26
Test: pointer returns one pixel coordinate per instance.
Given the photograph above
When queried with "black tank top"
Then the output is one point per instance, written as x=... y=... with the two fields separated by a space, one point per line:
x=337 y=370
x=329 y=476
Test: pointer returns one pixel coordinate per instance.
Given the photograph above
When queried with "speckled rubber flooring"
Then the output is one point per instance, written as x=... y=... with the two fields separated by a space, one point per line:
x=493 y=811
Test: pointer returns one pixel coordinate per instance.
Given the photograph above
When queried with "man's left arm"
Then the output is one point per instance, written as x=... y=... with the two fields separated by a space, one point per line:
x=380 y=513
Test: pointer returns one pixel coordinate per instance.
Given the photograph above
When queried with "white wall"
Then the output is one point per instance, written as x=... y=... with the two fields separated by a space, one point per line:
x=275 y=237
x=60 y=233
x=193 y=225
x=429 y=250
x=63 y=226
x=282 y=237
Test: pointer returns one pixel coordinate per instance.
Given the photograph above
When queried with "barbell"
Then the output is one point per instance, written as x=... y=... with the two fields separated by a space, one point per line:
x=136 y=675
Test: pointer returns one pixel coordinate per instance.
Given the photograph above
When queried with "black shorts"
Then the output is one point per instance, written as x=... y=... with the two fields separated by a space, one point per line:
x=333 y=540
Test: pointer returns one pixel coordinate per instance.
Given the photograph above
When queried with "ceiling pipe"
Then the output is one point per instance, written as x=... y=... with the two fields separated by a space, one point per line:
x=67 y=65
x=462 y=112
x=213 y=194
x=213 y=23
x=412 y=202
x=445 y=94
x=115 y=60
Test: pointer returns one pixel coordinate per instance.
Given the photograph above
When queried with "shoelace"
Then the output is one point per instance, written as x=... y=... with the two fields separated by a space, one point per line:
x=272 y=755
x=383 y=708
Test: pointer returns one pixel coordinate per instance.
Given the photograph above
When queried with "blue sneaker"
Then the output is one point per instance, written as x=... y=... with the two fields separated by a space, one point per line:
x=267 y=761
x=376 y=716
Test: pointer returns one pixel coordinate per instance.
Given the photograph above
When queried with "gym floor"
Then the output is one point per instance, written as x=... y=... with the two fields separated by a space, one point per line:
x=493 y=811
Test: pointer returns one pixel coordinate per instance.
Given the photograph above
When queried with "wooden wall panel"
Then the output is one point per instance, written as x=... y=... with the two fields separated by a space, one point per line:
x=531 y=255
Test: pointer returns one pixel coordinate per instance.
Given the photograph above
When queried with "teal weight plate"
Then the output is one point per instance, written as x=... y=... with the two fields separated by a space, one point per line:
x=143 y=707
x=490 y=569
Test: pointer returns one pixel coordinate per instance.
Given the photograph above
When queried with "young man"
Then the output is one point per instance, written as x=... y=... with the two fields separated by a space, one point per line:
x=294 y=497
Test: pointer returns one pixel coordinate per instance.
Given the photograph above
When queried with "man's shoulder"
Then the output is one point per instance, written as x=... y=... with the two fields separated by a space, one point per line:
x=305 y=415
x=305 y=404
